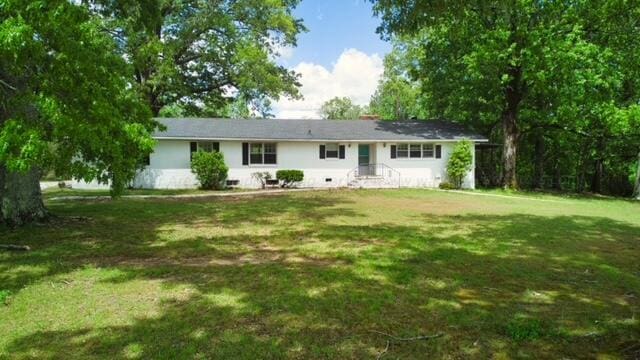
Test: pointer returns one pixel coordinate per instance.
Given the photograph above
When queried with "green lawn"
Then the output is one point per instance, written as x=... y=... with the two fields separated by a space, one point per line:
x=319 y=274
x=56 y=192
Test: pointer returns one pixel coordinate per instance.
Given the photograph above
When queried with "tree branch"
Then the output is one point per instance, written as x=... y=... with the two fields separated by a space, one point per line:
x=7 y=85
x=423 y=337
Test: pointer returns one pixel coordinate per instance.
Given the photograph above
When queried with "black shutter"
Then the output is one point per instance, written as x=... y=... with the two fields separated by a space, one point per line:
x=393 y=151
x=341 y=152
x=245 y=153
x=216 y=146
x=321 y=151
x=194 y=148
x=438 y=151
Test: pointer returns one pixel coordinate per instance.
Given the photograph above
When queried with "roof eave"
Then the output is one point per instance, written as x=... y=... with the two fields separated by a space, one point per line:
x=314 y=140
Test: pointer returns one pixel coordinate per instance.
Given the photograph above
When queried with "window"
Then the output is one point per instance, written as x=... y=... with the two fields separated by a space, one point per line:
x=256 y=154
x=207 y=146
x=270 y=153
x=414 y=151
x=403 y=150
x=331 y=151
x=263 y=153
x=427 y=150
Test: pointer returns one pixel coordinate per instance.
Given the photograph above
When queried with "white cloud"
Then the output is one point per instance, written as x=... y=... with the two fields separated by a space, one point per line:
x=283 y=52
x=355 y=75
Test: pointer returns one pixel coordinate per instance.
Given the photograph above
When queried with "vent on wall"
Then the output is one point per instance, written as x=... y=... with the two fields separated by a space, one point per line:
x=328 y=180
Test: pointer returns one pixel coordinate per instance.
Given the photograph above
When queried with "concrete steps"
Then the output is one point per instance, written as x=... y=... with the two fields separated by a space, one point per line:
x=373 y=182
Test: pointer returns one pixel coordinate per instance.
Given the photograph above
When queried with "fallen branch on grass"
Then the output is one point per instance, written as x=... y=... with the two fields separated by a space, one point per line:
x=399 y=339
x=384 y=351
x=424 y=337
x=10 y=247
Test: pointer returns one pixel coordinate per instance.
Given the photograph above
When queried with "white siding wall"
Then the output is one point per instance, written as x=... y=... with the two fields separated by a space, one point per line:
x=170 y=165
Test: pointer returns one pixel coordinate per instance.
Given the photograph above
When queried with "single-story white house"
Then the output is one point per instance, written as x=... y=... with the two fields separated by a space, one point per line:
x=332 y=153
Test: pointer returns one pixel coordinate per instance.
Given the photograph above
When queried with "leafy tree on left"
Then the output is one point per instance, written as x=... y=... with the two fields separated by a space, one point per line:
x=66 y=102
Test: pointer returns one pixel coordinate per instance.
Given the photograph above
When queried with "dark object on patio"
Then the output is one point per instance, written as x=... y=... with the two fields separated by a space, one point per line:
x=272 y=182
x=232 y=183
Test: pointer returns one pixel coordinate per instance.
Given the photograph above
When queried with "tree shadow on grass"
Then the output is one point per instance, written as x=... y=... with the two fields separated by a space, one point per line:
x=520 y=285
x=134 y=228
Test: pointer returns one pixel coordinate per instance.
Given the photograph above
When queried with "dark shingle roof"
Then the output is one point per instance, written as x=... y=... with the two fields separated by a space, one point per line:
x=313 y=130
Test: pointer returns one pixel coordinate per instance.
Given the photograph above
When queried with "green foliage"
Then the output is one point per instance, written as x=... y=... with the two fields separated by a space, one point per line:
x=4 y=296
x=66 y=100
x=561 y=75
x=445 y=185
x=397 y=97
x=460 y=162
x=524 y=329
x=192 y=53
x=340 y=108
x=210 y=169
x=289 y=177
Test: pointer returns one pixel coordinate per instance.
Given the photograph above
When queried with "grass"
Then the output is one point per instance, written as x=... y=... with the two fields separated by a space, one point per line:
x=318 y=275
x=57 y=192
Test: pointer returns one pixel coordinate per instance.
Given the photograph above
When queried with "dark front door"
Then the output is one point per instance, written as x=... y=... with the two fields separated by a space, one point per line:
x=363 y=160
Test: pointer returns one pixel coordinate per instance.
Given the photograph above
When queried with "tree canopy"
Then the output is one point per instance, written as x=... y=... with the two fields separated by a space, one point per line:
x=201 y=55
x=80 y=81
x=64 y=92
x=556 y=82
x=398 y=97
x=341 y=108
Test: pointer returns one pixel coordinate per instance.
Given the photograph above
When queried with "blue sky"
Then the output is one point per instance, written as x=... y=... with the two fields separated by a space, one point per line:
x=334 y=26
x=340 y=55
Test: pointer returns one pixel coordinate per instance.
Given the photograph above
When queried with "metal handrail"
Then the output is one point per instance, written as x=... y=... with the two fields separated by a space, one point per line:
x=379 y=170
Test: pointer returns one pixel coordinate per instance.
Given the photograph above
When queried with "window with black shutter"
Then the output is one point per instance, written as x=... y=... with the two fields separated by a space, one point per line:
x=438 y=151
x=194 y=148
x=245 y=153
x=206 y=146
x=331 y=151
x=393 y=151
x=262 y=153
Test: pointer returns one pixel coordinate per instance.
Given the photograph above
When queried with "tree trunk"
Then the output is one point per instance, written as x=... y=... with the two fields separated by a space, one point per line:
x=557 y=176
x=510 y=128
x=636 y=188
x=538 y=171
x=20 y=197
x=583 y=167
x=596 y=180
x=509 y=150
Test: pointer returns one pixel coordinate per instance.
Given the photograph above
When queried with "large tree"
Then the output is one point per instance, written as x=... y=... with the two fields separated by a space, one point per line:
x=525 y=68
x=66 y=103
x=201 y=55
x=340 y=108
x=398 y=97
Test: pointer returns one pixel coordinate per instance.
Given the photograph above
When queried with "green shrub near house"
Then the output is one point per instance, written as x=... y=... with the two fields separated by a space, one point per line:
x=289 y=177
x=210 y=169
x=459 y=163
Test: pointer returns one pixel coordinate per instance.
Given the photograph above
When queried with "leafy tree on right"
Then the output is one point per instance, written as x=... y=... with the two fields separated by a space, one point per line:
x=555 y=82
